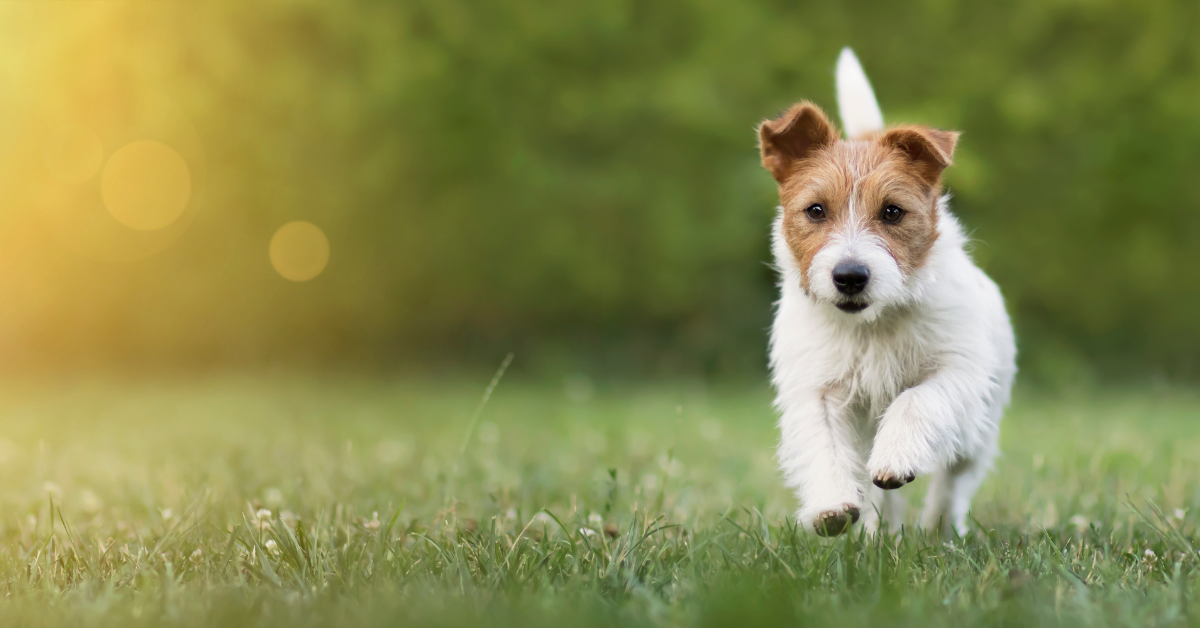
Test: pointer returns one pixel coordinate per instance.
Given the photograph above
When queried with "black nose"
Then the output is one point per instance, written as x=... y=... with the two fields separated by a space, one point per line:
x=850 y=277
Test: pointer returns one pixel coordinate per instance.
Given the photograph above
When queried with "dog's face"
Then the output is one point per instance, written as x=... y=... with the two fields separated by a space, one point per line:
x=859 y=216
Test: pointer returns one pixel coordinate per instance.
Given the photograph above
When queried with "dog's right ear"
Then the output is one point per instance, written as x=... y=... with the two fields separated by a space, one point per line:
x=792 y=136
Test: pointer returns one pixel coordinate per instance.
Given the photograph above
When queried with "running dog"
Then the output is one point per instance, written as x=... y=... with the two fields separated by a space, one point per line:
x=891 y=352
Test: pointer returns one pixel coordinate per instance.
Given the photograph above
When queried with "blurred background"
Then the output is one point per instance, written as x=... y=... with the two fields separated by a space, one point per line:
x=204 y=185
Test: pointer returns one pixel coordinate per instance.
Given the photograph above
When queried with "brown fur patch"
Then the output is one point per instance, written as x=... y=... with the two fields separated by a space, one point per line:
x=788 y=139
x=854 y=181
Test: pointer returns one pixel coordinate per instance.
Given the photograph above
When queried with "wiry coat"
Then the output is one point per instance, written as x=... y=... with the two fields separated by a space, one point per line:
x=915 y=380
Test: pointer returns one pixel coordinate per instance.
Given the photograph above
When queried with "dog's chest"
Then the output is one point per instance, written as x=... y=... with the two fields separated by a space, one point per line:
x=877 y=365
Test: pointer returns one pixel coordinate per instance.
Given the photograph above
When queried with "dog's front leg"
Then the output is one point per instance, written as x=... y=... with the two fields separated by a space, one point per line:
x=932 y=426
x=820 y=459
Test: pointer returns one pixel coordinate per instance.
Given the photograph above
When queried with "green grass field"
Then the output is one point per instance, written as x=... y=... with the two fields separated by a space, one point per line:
x=354 y=502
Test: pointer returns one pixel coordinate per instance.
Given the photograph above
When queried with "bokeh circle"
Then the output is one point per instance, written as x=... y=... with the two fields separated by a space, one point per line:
x=299 y=251
x=146 y=185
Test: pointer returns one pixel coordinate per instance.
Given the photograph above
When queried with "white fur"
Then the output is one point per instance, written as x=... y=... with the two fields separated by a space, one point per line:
x=914 y=384
x=887 y=285
x=856 y=100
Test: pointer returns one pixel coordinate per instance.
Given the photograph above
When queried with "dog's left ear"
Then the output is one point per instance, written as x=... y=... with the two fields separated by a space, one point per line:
x=929 y=150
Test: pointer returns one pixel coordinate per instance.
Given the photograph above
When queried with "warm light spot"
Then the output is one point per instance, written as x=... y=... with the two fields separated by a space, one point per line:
x=73 y=154
x=146 y=185
x=299 y=251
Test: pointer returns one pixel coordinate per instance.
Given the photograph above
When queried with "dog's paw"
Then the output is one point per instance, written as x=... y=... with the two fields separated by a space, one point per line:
x=836 y=521
x=891 y=467
x=888 y=480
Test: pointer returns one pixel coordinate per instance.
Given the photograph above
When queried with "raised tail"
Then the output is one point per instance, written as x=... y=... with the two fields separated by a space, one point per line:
x=856 y=100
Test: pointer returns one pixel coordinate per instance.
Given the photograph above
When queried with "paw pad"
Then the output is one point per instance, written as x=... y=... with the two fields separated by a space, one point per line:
x=889 y=481
x=835 y=522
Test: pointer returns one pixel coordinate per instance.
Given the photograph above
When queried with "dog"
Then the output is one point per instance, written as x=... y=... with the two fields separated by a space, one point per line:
x=891 y=352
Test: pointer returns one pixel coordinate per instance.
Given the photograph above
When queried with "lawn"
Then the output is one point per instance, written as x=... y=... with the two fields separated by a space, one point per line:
x=360 y=501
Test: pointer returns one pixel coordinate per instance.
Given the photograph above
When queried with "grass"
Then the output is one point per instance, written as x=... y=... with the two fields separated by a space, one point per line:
x=359 y=502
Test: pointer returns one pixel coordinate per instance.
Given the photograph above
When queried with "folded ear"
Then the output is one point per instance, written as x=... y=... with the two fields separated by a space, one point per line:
x=792 y=136
x=929 y=150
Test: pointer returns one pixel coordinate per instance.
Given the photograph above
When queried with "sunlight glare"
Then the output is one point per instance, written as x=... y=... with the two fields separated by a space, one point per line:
x=299 y=251
x=146 y=185
x=73 y=154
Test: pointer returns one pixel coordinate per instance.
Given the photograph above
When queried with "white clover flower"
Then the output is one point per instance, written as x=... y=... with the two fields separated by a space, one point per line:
x=569 y=464
x=7 y=450
x=89 y=501
x=166 y=513
x=263 y=514
x=374 y=523
x=672 y=466
x=489 y=433
x=197 y=555
x=588 y=532
x=1150 y=556
x=1180 y=513
x=270 y=544
x=639 y=443
x=595 y=520
x=594 y=442
x=392 y=452
x=578 y=387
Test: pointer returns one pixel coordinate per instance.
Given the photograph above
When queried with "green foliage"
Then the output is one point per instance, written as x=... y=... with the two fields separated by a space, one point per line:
x=579 y=181
x=353 y=503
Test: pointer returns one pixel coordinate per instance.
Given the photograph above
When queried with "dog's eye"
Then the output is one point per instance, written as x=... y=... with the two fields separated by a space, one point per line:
x=815 y=212
x=891 y=214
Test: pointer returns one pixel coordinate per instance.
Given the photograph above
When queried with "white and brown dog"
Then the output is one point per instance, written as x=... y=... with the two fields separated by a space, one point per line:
x=891 y=352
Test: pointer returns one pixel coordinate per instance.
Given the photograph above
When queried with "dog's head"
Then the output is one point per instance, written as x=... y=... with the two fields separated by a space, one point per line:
x=859 y=215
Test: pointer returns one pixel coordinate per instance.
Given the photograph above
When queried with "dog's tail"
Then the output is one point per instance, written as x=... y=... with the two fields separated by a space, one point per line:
x=856 y=100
